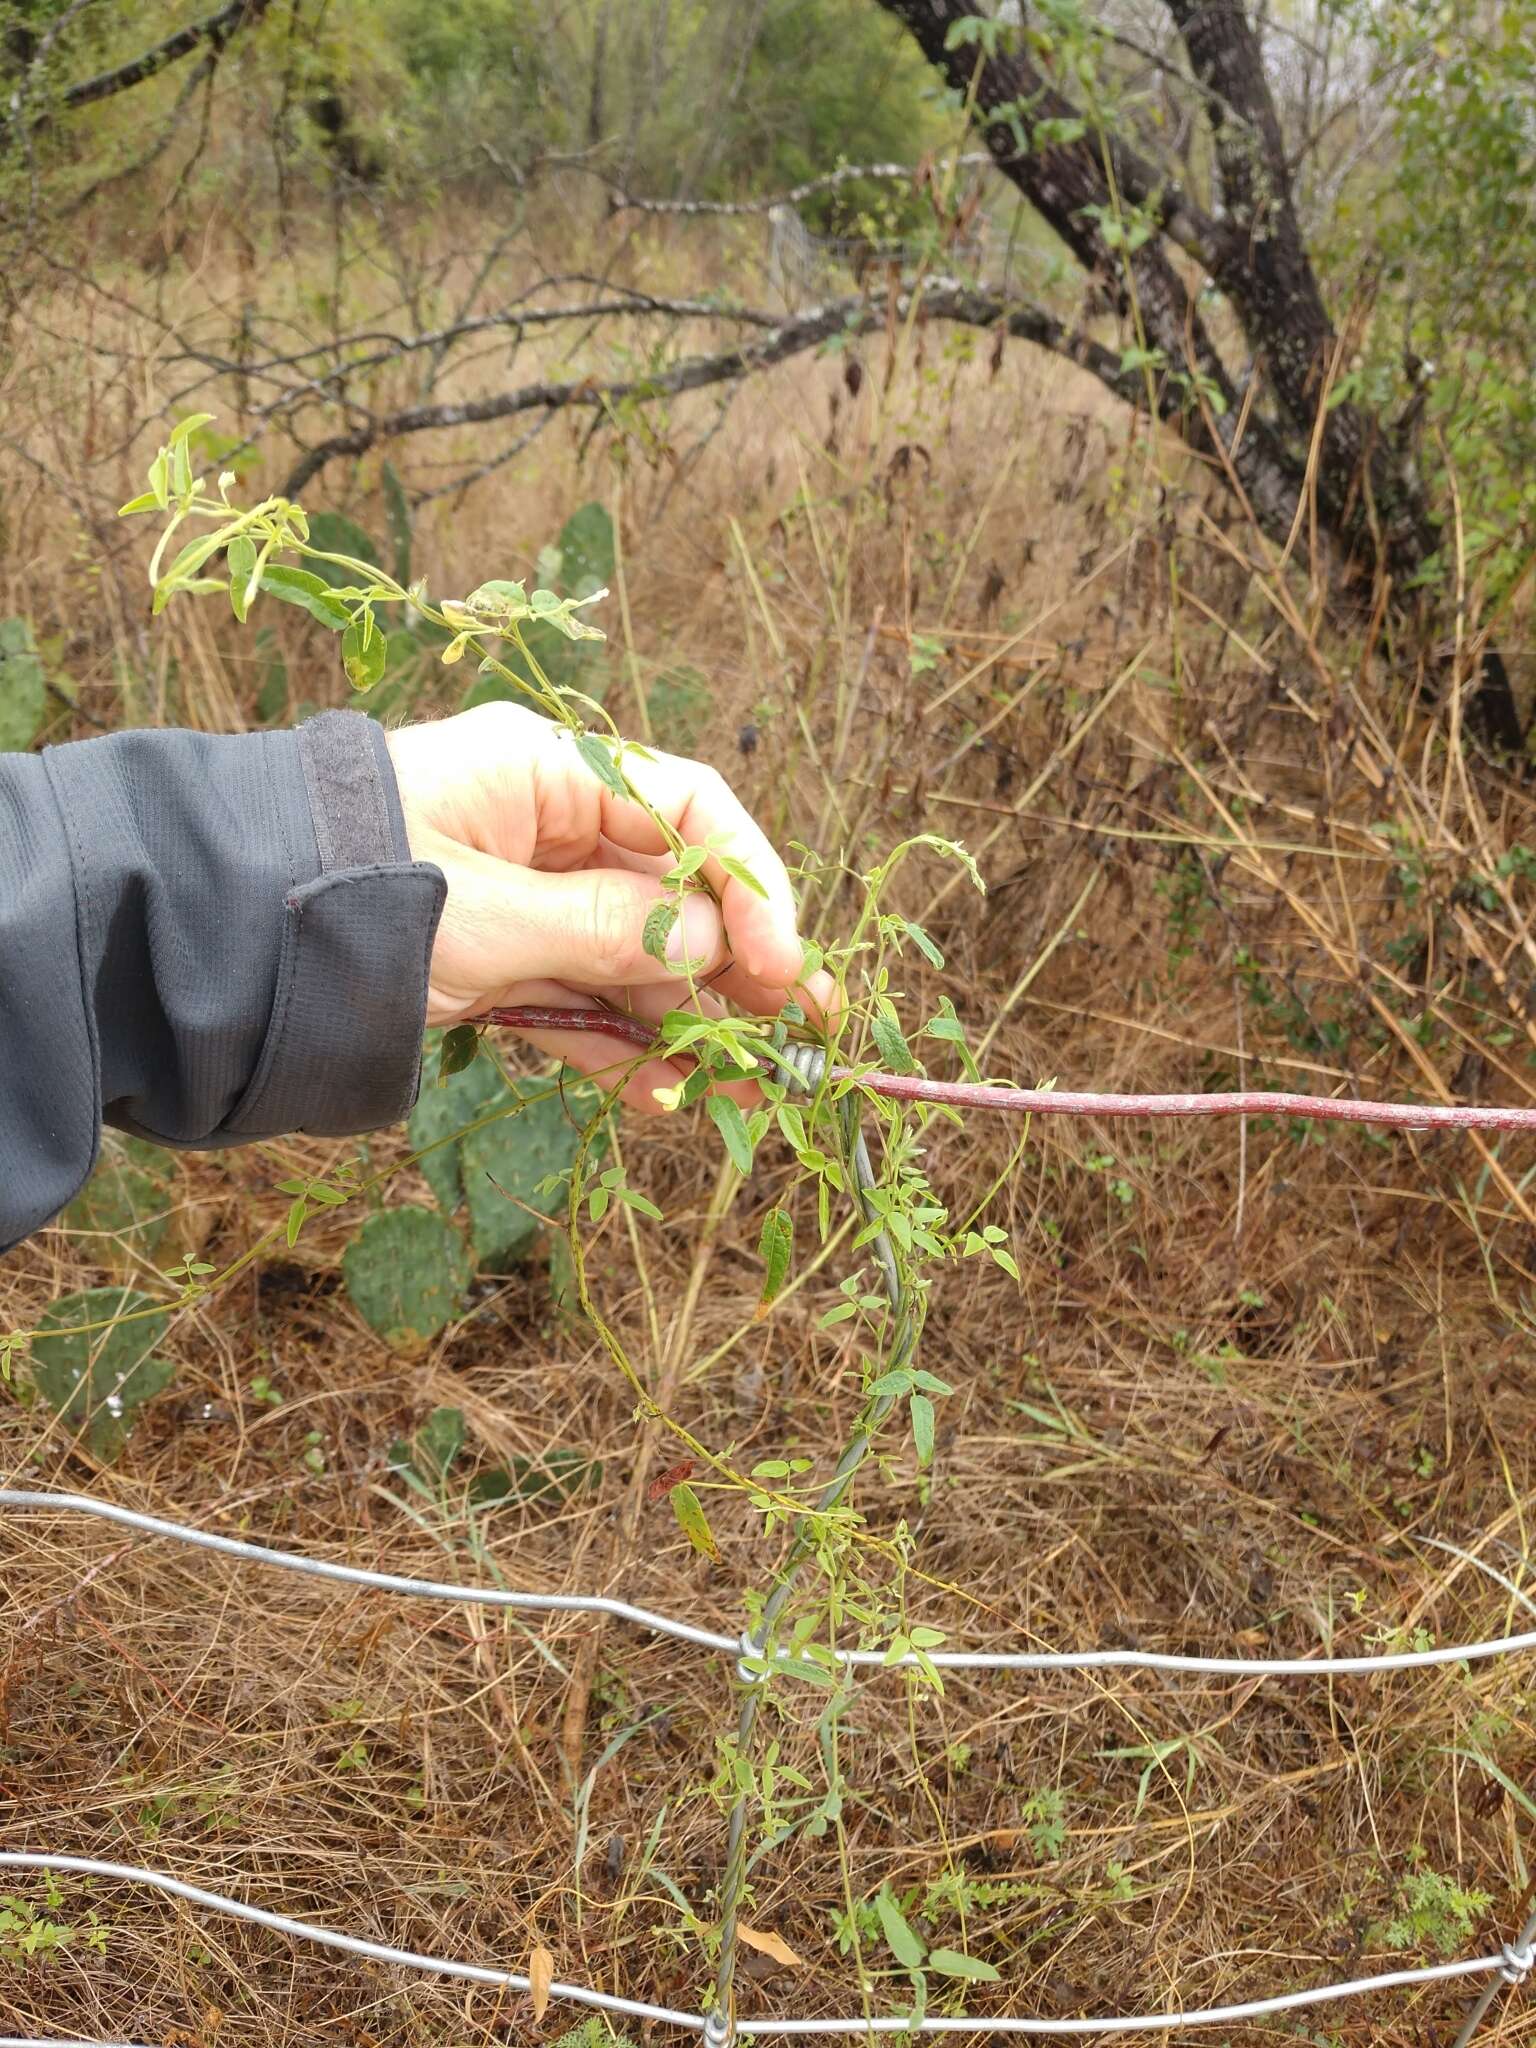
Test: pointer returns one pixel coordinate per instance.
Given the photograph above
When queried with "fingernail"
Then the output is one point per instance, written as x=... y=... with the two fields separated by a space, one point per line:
x=694 y=936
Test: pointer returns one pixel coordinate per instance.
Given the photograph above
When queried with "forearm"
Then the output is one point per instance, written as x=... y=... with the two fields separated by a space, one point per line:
x=205 y=941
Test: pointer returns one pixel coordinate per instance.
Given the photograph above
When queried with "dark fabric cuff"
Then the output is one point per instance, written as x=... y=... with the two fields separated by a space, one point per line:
x=253 y=933
x=343 y=1048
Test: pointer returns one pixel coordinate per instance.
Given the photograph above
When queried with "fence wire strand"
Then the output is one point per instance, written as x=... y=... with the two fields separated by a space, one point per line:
x=1510 y=1965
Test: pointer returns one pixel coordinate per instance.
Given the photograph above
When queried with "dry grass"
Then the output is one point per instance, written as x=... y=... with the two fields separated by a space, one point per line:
x=1247 y=1373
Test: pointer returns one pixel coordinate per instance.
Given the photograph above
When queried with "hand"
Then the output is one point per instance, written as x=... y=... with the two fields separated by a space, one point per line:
x=551 y=876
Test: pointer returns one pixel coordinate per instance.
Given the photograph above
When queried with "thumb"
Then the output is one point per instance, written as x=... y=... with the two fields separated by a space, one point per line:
x=503 y=924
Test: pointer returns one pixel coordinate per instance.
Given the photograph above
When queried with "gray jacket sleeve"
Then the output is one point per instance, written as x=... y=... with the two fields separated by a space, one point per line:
x=203 y=940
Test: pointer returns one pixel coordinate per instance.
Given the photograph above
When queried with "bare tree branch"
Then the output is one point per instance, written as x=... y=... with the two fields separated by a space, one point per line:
x=625 y=202
x=940 y=299
x=214 y=31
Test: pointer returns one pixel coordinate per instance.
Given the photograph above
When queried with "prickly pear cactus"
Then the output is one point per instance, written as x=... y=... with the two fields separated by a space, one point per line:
x=424 y=1461
x=125 y=1205
x=23 y=686
x=97 y=1379
x=406 y=1272
x=443 y=1111
x=680 y=702
x=505 y=1163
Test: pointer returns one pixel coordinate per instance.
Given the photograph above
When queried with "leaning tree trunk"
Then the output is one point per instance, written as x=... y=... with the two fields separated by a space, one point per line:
x=1367 y=500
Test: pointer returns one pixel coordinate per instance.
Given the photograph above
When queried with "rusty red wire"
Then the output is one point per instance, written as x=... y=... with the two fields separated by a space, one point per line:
x=1410 y=1116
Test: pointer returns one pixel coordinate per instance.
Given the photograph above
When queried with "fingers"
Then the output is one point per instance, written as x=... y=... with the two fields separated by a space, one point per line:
x=503 y=801
x=818 y=996
x=700 y=805
x=504 y=924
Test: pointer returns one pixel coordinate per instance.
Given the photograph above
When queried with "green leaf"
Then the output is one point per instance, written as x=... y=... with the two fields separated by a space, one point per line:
x=923 y=943
x=887 y=1034
x=688 y=863
x=242 y=567
x=693 y=1521
x=891 y=1385
x=23 y=687
x=364 y=652
x=922 y=1428
x=732 y=1126
x=98 y=1379
x=298 y=586
x=775 y=1247
x=902 y=1942
x=739 y=871
x=184 y=429
x=659 y=920
x=947 y=1026
x=461 y=1045
x=600 y=760
x=191 y=558
x=406 y=1271
x=950 y=1963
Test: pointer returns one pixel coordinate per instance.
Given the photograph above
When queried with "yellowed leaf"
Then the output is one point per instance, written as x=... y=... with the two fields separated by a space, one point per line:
x=768 y=1945
x=693 y=1521
x=541 y=1970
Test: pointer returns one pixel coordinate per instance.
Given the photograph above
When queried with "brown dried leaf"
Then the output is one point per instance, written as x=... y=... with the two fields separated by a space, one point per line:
x=541 y=1970
x=769 y=1945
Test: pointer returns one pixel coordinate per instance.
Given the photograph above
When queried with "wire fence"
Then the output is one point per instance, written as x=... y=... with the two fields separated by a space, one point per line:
x=756 y=1659
x=717 y=2027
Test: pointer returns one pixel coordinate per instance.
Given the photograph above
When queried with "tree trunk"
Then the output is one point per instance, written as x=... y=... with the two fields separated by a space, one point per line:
x=1368 y=502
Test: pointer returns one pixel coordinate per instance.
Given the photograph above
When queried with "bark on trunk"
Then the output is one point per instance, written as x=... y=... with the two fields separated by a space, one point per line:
x=1368 y=501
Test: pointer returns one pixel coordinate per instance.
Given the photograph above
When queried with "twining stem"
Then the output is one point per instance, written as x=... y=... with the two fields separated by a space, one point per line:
x=1408 y=1116
x=900 y=1351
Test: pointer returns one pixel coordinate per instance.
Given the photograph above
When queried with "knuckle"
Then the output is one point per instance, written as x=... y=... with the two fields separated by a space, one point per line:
x=612 y=939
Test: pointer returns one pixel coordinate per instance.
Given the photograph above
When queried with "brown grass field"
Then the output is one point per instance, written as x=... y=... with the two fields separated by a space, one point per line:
x=1251 y=1371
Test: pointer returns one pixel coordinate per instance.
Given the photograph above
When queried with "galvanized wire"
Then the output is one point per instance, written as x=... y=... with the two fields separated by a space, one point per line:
x=1519 y=1957
x=1509 y=1966
x=354 y=1575
x=354 y=1945
x=714 y=1639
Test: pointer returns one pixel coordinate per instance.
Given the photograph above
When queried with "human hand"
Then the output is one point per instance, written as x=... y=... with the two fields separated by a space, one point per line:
x=551 y=877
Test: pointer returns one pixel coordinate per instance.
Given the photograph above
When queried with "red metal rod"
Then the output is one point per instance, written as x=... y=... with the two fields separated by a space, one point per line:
x=1412 y=1116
